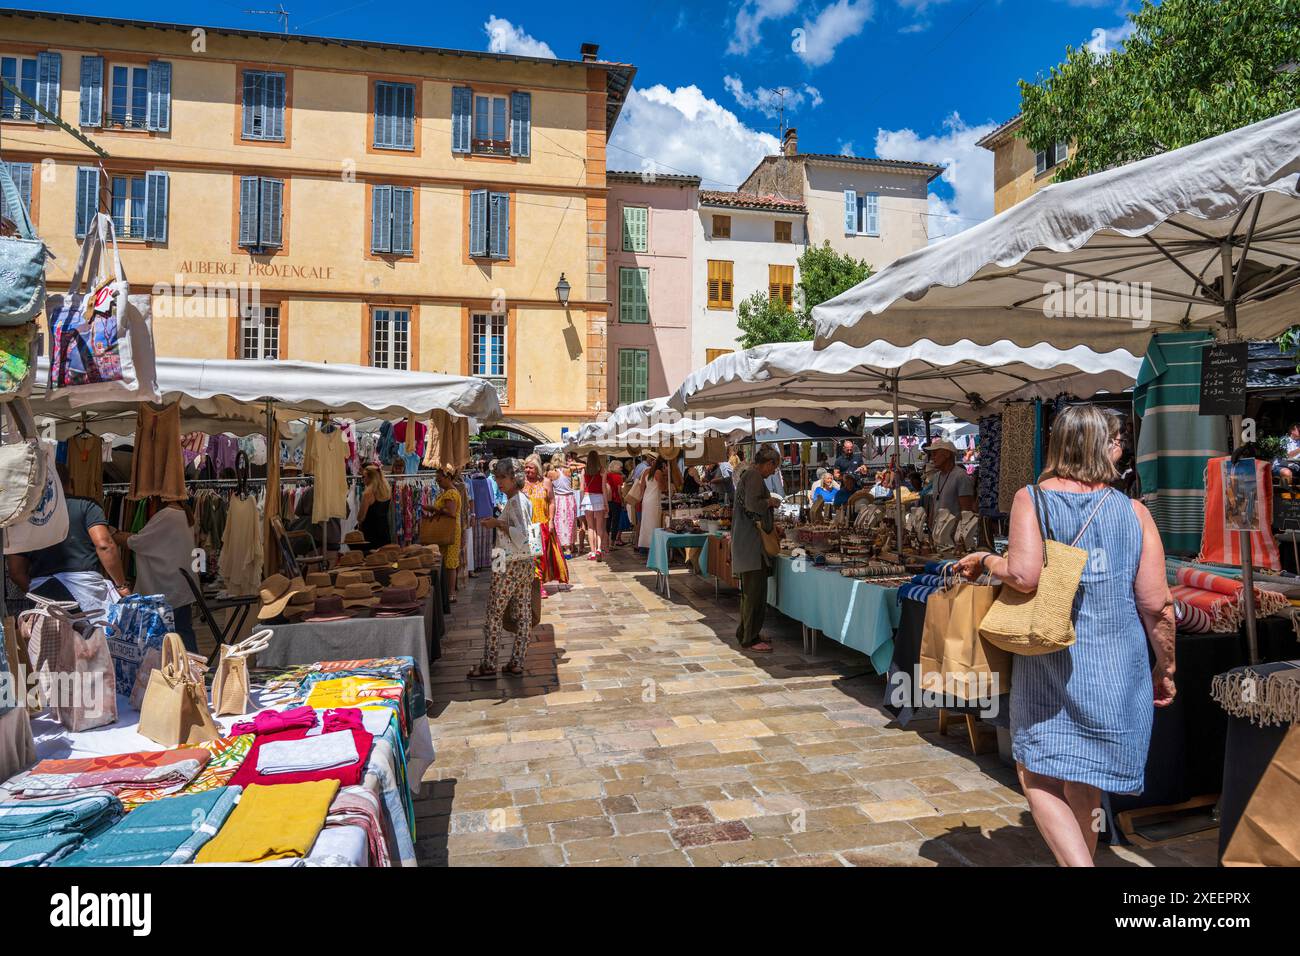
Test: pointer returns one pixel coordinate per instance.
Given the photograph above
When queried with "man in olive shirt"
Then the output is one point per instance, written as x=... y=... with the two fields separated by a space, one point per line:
x=749 y=562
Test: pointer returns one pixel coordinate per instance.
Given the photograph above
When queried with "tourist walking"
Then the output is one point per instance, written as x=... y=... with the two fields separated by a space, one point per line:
x=550 y=563
x=512 y=574
x=596 y=486
x=655 y=483
x=1081 y=717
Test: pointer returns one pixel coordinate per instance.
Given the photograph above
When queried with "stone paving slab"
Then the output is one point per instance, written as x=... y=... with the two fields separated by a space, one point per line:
x=641 y=735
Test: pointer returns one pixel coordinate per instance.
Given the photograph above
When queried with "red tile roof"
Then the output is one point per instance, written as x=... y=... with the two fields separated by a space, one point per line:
x=713 y=197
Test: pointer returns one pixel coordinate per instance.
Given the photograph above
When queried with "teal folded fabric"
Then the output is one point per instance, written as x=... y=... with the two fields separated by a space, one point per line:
x=162 y=832
x=39 y=832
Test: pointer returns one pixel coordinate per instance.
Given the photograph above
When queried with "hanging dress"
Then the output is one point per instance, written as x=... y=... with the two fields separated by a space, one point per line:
x=566 y=510
x=240 y=563
x=327 y=461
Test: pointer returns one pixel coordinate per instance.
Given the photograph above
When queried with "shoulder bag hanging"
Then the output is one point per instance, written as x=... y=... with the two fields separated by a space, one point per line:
x=1042 y=622
x=22 y=262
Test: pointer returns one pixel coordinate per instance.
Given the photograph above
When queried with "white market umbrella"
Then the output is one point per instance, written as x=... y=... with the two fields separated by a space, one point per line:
x=1213 y=227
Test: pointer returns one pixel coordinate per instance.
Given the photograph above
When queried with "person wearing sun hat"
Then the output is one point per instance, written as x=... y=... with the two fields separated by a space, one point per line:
x=951 y=488
x=276 y=592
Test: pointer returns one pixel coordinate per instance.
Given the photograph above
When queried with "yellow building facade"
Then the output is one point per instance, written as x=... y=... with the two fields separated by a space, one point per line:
x=1018 y=171
x=379 y=205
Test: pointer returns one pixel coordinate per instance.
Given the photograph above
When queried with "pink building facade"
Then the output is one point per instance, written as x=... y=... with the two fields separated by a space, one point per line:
x=651 y=287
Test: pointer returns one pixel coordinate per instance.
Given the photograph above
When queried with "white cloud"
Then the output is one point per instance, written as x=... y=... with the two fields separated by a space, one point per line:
x=1103 y=40
x=846 y=148
x=919 y=27
x=750 y=18
x=832 y=26
x=505 y=37
x=920 y=6
x=684 y=131
x=968 y=172
x=770 y=102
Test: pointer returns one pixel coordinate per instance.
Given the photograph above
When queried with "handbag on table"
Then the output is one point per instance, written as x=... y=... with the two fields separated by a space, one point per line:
x=74 y=673
x=22 y=262
x=175 y=709
x=151 y=661
x=1042 y=622
x=230 y=683
x=17 y=360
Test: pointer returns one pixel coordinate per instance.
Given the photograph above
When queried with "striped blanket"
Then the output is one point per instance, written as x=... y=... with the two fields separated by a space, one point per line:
x=1219 y=545
x=160 y=771
x=1174 y=440
x=1220 y=597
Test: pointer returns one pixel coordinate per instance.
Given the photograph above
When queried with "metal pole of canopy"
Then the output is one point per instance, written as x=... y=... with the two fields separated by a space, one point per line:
x=271 y=557
x=898 y=485
x=51 y=118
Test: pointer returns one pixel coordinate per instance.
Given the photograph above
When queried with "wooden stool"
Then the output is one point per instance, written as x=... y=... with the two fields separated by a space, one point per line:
x=976 y=729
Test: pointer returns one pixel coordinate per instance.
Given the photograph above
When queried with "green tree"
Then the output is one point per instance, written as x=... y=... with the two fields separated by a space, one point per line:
x=1191 y=69
x=823 y=274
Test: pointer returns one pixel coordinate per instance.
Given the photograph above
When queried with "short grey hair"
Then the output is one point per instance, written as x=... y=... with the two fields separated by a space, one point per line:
x=766 y=454
x=511 y=467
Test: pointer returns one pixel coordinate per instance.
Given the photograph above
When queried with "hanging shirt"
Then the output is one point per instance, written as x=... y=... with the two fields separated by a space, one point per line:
x=161 y=548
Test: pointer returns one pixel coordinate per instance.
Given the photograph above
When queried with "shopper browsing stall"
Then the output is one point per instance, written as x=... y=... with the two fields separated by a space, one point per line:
x=749 y=562
x=374 y=520
x=512 y=573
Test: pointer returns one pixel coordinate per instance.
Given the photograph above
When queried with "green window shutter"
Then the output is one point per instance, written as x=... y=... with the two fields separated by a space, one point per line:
x=626 y=375
x=634 y=228
x=642 y=375
x=641 y=283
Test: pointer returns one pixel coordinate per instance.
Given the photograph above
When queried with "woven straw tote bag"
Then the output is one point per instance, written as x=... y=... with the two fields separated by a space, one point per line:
x=1041 y=622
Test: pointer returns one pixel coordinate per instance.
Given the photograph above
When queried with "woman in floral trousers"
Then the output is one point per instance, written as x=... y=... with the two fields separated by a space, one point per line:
x=512 y=574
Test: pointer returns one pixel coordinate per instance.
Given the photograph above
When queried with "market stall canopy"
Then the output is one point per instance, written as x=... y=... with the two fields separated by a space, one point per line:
x=232 y=391
x=788 y=431
x=1070 y=264
x=673 y=431
x=795 y=380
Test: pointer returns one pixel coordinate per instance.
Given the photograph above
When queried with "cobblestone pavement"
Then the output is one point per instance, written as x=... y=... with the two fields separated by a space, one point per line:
x=642 y=735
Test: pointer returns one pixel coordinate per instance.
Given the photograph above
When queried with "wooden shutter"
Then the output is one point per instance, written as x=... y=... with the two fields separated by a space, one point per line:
x=780 y=284
x=724 y=276
x=272 y=214
x=1040 y=161
x=273 y=103
x=626 y=297
x=403 y=220
x=157 y=188
x=462 y=108
x=635 y=229
x=92 y=91
x=781 y=230
x=248 y=205
x=49 y=73
x=1062 y=152
x=87 y=198
x=21 y=174
x=381 y=219
x=499 y=225
x=850 y=212
x=252 y=105
x=711 y=354
x=405 y=116
x=478 y=222
x=721 y=227
x=158 y=113
x=521 y=123
x=641 y=375
x=871 y=214
x=633 y=299
x=626 y=375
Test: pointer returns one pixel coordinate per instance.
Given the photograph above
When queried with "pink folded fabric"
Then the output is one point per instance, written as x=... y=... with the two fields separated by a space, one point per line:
x=342 y=718
x=276 y=721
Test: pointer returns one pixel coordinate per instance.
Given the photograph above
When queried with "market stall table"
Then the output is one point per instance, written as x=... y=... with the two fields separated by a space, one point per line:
x=351 y=639
x=851 y=611
x=661 y=541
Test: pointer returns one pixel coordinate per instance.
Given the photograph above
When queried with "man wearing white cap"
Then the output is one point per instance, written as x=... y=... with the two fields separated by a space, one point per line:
x=951 y=489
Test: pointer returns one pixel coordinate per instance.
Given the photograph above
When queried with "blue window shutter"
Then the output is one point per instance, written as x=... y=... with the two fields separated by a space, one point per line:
x=248 y=205
x=850 y=212
x=462 y=103
x=252 y=103
x=159 y=112
x=49 y=74
x=271 y=228
x=406 y=116
x=478 y=221
x=92 y=91
x=500 y=225
x=403 y=220
x=521 y=124
x=381 y=219
x=273 y=106
x=21 y=174
x=383 y=110
x=87 y=198
x=872 y=214
x=157 y=190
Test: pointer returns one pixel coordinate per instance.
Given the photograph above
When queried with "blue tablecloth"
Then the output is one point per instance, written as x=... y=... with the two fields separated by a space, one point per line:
x=852 y=611
x=661 y=540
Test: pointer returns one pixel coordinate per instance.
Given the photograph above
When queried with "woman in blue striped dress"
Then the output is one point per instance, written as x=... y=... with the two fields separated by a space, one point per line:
x=1081 y=717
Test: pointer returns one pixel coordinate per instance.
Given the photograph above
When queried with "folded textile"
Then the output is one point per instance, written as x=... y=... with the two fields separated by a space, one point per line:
x=915 y=591
x=319 y=752
x=1191 y=619
x=275 y=721
x=158 y=772
x=272 y=823
x=1221 y=597
x=163 y=832
x=361 y=807
x=346 y=775
x=342 y=718
x=1270 y=698
x=225 y=754
x=40 y=832
x=938 y=567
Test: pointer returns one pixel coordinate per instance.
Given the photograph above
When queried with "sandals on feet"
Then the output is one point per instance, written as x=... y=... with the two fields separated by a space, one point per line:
x=481 y=672
x=513 y=670
x=761 y=647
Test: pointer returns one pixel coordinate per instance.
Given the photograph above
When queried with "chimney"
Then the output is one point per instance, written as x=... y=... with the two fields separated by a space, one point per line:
x=790 y=142
x=589 y=51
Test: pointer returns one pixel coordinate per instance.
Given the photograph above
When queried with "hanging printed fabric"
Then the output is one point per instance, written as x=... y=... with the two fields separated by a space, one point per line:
x=135 y=624
x=47 y=525
x=17 y=360
x=101 y=342
x=1239 y=498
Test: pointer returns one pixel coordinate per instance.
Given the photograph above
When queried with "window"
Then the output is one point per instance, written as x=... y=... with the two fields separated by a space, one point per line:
x=633 y=375
x=394 y=115
x=264 y=101
x=861 y=213
x=1045 y=159
x=487 y=355
x=721 y=227
x=261 y=212
x=259 y=332
x=491 y=124
x=711 y=354
x=635 y=231
x=128 y=96
x=782 y=230
x=139 y=96
x=137 y=203
x=392 y=220
x=21 y=174
x=780 y=284
x=633 y=304
x=719 y=284
x=390 y=338
x=489 y=225
x=37 y=77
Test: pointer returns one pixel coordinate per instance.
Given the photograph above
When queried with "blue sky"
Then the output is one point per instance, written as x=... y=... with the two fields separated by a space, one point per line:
x=899 y=79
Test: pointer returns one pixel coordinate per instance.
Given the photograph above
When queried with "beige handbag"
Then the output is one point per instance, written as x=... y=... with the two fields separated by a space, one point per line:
x=230 y=683
x=22 y=467
x=74 y=673
x=151 y=661
x=1042 y=622
x=954 y=659
x=175 y=709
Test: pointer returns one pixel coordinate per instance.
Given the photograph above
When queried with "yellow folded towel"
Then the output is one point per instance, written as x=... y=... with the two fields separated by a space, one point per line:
x=272 y=823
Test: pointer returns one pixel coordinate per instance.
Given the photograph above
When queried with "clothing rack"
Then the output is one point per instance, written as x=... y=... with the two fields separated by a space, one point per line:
x=116 y=486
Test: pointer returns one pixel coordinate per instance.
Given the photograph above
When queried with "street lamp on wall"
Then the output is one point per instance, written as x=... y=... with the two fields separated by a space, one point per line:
x=562 y=290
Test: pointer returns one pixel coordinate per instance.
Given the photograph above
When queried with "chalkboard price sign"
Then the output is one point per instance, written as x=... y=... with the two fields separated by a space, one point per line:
x=1223 y=379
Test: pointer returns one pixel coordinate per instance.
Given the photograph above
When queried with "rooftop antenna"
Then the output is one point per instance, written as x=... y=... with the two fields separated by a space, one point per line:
x=780 y=93
x=280 y=12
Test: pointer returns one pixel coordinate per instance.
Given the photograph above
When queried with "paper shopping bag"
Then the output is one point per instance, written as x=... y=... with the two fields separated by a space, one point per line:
x=954 y=658
x=175 y=709
x=1269 y=831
